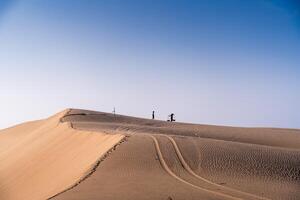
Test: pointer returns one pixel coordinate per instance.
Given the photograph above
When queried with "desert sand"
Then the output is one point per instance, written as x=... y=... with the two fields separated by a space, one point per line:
x=40 y=159
x=81 y=154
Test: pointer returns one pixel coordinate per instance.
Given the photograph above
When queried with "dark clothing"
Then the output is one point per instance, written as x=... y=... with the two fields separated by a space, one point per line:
x=172 y=117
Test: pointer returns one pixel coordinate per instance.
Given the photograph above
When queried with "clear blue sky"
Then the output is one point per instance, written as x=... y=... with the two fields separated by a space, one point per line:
x=227 y=62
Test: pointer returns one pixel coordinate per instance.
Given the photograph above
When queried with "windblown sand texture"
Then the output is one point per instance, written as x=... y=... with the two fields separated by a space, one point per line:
x=87 y=155
x=40 y=159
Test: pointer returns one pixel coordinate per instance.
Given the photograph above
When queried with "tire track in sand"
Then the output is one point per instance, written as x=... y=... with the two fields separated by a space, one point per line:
x=191 y=172
x=170 y=172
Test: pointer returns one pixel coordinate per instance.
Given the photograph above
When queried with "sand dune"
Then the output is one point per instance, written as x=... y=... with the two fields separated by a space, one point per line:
x=69 y=157
x=40 y=159
x=94 y=121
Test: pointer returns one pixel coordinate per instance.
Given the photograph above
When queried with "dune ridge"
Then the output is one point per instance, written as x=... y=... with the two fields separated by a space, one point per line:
x=95 y=121
x=159 y=160
x=47 y=158
x=93 y=169
x=181 y=157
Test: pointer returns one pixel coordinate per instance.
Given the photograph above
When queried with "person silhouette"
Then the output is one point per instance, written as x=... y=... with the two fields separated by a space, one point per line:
x=172 y=119
x=153 y=117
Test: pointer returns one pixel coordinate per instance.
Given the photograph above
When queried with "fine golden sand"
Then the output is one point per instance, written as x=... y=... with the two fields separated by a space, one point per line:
x=87 y=155
x=40 y=159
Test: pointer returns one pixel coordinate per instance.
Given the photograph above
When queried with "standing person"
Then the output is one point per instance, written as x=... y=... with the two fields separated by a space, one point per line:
x=172 y=117
x=153 y=117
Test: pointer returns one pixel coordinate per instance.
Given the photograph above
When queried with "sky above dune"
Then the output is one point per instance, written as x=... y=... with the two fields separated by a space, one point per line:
x=225 y=62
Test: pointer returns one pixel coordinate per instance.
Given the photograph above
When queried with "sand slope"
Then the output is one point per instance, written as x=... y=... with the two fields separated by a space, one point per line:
x=40 y=159
x=159 y=160
x=261 y=170
x=133 y=171
x=163 y=160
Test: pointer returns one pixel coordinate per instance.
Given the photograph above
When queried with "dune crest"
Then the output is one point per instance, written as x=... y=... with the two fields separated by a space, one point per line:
x=164 y=160
x=60 y=158
x=42 y=158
